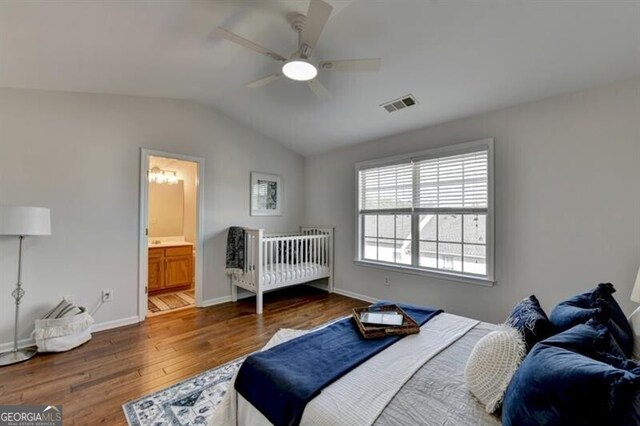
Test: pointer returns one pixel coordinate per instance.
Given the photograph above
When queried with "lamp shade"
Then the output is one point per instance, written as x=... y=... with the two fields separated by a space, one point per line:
x=23 y=220
x=635 y=293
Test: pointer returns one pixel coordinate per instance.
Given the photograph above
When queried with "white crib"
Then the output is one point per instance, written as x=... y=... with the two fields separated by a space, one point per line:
x=281 y=260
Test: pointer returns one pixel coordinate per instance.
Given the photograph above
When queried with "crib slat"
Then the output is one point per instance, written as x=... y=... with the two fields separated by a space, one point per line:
x=305 y=256
x=323 y=250
x=314 y=262
x=299 y=255
x=315 y=255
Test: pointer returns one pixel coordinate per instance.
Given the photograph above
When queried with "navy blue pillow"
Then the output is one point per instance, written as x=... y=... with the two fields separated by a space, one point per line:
x=596 y=303
x=558 y=383
x=529 y=318
x=592 y=339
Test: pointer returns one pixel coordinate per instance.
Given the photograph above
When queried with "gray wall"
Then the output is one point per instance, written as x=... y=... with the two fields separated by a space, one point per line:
x=567 y=182
x=79 y=154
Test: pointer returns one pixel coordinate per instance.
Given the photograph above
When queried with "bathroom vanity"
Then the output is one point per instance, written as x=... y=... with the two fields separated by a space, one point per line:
x=170 y=267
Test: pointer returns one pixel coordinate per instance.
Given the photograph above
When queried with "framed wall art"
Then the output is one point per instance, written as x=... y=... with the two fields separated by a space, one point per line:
x=266 y=194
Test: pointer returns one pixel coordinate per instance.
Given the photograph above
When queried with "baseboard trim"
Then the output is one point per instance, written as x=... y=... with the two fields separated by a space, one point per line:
x=216 y=301
x=225 y=299
x=107 y=325
x=8 y=346
x=353 y=295
x=319 y=286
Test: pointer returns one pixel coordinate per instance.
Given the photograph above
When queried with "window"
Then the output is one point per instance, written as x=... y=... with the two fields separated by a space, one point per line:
x=429 y=212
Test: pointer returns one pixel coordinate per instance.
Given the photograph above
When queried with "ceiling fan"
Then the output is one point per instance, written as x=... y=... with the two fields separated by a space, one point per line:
x=298 y=66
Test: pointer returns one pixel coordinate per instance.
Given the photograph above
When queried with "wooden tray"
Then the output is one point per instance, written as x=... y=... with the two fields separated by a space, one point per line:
x=371 y=331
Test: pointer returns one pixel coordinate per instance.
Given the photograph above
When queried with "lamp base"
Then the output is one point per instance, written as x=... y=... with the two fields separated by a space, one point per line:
x=634 y=321
x=14 y=357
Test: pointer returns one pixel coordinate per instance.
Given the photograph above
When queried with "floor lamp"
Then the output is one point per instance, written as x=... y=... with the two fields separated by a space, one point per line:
x=21 y=221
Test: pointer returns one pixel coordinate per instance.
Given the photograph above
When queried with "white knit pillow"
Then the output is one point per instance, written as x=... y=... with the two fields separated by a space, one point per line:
x=492 y=363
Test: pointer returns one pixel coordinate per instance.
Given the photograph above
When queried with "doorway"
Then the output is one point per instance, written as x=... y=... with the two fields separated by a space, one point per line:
x=171 y=215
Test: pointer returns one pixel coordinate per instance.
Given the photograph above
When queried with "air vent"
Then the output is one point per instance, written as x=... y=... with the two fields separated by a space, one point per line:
x=400 y=103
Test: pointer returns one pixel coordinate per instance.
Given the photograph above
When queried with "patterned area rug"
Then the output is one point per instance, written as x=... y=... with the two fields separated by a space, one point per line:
x=187 y=403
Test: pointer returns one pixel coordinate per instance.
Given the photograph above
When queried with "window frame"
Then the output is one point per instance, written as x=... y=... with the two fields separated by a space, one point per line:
x=442 y=151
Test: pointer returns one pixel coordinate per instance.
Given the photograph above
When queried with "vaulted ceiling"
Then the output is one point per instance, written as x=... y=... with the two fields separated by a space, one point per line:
x=457 y=57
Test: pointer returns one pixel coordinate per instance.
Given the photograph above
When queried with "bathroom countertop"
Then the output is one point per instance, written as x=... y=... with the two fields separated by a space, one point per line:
x=170 y=244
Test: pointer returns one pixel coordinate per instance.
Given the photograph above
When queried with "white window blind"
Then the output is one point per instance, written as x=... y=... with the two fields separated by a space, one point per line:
x=453 y=182
x=387 y=188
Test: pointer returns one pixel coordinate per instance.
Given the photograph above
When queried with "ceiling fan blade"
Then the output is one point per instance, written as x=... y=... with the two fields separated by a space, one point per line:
x=318 y=88
x=370 y=65
x=264 y=81
x=317 y=17
x=228 y=35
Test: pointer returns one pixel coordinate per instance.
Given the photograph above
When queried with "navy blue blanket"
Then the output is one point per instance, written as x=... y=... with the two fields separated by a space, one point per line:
x=279 y=382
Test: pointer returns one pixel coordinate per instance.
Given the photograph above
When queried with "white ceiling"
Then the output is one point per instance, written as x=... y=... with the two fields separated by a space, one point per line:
x=458 y=57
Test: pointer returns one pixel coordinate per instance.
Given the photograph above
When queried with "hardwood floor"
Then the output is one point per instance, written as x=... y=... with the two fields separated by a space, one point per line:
x=116 y=366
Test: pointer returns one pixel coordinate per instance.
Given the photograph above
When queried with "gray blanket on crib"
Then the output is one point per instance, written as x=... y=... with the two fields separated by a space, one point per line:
x=235 y=250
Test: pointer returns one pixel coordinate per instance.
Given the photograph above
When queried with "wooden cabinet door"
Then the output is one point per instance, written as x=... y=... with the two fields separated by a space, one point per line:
x=178 y=270
x=155 y=273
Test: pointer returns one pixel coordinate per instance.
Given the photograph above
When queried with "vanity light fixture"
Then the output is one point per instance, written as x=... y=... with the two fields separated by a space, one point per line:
x=157 y=175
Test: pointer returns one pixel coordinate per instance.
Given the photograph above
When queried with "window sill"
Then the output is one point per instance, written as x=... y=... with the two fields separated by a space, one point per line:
x=425 y=273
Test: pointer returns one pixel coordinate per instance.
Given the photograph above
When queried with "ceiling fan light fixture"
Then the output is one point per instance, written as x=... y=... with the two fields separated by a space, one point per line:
x=299 y=70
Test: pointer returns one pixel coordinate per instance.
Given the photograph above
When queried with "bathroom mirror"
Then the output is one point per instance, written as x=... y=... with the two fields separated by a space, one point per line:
x=166 y=209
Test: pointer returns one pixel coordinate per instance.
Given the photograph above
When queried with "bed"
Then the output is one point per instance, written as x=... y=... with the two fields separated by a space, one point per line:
x=282 y=260
x=418 y=380
x=572 y=367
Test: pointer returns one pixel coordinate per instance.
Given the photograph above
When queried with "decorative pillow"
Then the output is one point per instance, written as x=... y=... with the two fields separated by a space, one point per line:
x=492 y=363
x=592 y=339
x=558 y=383
x=529 y=318
x=598 y=302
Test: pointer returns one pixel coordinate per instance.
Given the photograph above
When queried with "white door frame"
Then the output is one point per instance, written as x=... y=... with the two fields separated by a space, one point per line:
x=143 y=255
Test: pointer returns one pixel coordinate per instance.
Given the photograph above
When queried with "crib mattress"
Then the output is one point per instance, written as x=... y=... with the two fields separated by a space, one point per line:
x=286 y=272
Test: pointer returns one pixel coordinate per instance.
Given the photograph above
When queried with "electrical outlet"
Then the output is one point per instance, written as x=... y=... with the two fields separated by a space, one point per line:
x=107 y=295
x=387 y=281
x=69 y=298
